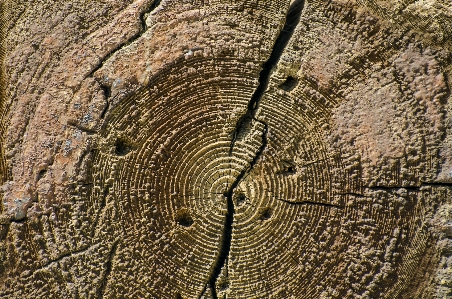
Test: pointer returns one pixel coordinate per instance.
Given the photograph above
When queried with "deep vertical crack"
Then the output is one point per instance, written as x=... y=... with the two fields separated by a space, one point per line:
x=226 y=238
x=292 y=20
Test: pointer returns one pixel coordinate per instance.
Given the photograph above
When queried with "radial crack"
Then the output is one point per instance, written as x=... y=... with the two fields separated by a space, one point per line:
x=292 y=20
x=108 y=269
x=143 y=27
x=140 y=32
x=226 y=238
x=410 y=188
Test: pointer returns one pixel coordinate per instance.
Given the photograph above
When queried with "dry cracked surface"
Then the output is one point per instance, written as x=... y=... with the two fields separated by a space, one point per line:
x=226 y=149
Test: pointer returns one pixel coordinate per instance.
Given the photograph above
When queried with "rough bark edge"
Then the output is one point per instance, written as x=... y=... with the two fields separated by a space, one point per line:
x=4 y=225
x=3 y=30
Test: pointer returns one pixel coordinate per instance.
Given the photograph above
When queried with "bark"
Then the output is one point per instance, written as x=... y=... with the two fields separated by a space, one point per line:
x=225 y=149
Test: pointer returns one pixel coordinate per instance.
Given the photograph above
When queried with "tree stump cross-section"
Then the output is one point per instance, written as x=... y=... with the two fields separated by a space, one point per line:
x=225 y=149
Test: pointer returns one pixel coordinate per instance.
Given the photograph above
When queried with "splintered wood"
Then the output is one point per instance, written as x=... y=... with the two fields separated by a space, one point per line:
x=225 y=149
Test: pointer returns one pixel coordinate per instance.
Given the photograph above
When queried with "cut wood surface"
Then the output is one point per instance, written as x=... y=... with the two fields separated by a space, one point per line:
x=226 y=149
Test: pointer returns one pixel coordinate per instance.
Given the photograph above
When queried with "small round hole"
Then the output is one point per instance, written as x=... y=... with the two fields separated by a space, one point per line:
x=289 y=84
x=121 y=147
x=240 y=197
x=288 y=168
x=266 y=213
x=184 y=218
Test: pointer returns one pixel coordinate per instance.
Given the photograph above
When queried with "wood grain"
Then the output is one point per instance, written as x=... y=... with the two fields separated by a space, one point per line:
x=226 y=149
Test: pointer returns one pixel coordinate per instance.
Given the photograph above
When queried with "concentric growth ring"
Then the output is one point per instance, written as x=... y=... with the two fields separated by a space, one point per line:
x=271 y=217
x=171 y=143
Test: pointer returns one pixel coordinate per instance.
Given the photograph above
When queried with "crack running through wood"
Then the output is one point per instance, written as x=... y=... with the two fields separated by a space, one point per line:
x=292 y=20
x=143 y=27
x=108 y=269
x=411 y=188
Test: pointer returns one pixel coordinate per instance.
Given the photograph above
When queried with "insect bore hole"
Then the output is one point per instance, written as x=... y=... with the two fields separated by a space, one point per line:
x=184 y=218
x=266 y=213
x=289 y=84
x=122 y=148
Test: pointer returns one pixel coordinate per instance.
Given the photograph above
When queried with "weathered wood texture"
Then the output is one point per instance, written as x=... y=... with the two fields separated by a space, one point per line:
x=226 y=149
